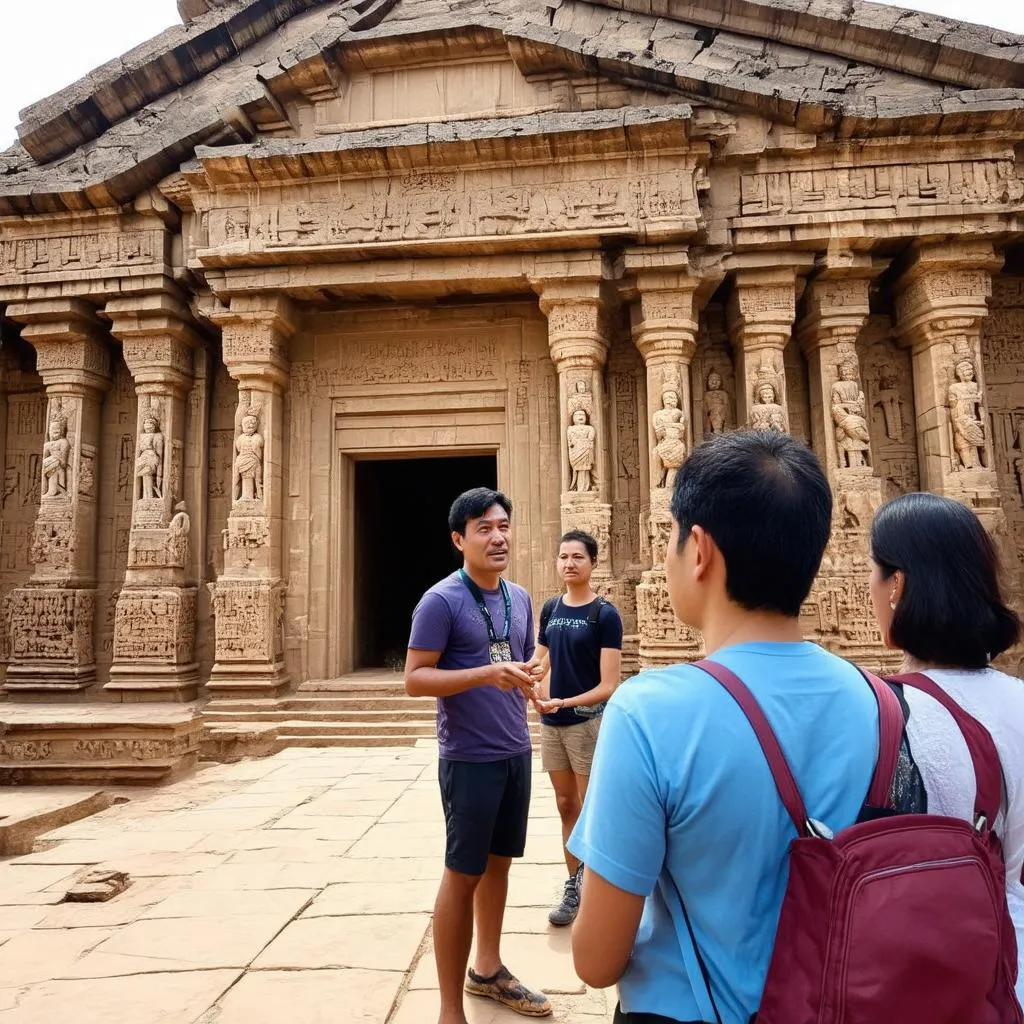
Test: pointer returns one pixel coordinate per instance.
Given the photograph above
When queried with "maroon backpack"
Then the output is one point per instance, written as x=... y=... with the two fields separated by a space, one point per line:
x=901 y=919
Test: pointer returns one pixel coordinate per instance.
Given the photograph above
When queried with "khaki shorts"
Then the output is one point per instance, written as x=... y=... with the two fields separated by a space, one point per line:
x=566 y=748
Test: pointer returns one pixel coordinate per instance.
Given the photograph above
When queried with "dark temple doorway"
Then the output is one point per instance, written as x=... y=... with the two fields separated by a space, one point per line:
x=401 y=543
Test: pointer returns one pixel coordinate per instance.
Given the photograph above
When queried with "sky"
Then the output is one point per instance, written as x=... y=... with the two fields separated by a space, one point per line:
x=46 y=45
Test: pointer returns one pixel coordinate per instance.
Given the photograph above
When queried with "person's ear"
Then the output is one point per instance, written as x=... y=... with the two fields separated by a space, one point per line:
x=457 y=540
x=704 y=552
x=897 y=581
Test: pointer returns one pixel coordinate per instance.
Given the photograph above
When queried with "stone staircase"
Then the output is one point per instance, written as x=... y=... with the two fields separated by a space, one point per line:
x=365 y=709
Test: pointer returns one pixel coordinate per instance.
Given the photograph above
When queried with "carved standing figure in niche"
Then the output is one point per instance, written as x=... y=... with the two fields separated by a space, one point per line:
x=149 y=458
x=716 y=404
x=56 y=456
x=766 y=413
x=853 y=437
x=582 y=444
x=891 y=404
x=670 y=432
x=249 y=459
x=178 y=534
x=966 y=415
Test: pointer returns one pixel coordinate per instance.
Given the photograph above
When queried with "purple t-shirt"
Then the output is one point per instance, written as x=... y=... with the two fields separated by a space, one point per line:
x=485 y=723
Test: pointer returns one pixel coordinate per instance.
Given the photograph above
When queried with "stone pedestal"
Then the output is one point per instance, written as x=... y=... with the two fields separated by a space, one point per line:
x=940 y=304
x=51 y=619
x=761 y=311
x=155 y=621
x=248 y=598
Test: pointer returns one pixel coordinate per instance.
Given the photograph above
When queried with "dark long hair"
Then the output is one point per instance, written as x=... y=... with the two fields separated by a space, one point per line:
x=951 y=612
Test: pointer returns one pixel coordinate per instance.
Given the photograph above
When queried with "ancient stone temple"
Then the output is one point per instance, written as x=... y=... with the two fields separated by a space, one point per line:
x=280 y=283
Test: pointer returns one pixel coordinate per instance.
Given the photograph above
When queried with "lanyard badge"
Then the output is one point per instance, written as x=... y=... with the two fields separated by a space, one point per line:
x=499 y=648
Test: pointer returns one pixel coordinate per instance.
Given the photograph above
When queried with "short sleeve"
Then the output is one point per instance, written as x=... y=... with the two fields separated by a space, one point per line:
x=610 y=627
x=545 y=617
x=431 y=624
x=528 y=644
x=620 y=834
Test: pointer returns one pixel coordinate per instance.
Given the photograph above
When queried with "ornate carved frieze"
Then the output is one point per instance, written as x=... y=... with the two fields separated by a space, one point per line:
x=51 y=627
x=156 y=627
x=89 y=254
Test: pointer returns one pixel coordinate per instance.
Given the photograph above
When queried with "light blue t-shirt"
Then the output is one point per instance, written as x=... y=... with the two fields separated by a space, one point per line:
x=680 y=785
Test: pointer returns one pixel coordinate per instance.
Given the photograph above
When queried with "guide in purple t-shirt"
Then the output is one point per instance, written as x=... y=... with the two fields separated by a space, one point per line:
x=472 y=648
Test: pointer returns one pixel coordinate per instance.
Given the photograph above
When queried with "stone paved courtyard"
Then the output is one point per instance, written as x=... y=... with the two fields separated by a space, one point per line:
x=293 y=888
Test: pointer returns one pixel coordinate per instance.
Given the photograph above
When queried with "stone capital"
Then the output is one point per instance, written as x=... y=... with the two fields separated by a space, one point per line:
x=157 y=335
x=762 y=307
x=664 y=321
x=255 y=330
x=943 y=293
x=577 y=314
x=72 y=351
x=834 y=312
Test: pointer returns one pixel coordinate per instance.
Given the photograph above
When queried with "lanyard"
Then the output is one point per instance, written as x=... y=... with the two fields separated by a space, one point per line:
x=479 y=598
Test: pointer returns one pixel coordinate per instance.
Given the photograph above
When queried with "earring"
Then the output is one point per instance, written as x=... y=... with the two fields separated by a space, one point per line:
x=892 y=599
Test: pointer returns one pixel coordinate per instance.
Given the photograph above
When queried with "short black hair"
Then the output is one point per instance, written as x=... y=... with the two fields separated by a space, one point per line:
x=763 y=498
x=951 y=612
x=472 y=505
x=581 y=537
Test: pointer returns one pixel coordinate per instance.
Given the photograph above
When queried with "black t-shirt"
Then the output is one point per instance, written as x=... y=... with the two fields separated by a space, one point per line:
x=575 y=646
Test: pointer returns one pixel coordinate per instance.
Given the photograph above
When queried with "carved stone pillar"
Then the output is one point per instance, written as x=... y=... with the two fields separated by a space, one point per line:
x=578 y=339
x=52 y=617
x=248 y=598
x=836 y=310
x=761 y=312
x=664 y=326
x=941 y=300
x=155 y=622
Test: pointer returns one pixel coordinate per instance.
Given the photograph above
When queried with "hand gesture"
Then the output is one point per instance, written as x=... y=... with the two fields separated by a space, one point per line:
x=536 y=669
x=548 y=707
x=510 y=675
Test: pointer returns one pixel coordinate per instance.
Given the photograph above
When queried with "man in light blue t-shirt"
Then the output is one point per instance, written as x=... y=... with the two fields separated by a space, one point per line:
x=682 y=805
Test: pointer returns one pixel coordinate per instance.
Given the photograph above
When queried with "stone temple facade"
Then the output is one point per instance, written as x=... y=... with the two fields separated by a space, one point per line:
x=280 y=283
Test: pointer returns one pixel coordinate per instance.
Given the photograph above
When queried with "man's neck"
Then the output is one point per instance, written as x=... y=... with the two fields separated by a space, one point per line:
x=485 y=579
x=737 y=626
x=577 y=594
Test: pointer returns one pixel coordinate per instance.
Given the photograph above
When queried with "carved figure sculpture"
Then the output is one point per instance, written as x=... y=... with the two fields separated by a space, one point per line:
x=249 y=460
x=891 y=404
x=716 y=404
x=766 y=413
x=670 y=433
x=178 y=534
x=56 y=457
x=853 y=436
x=582 y=443
x=149 y=458
x=965 y=414
x=581 y=398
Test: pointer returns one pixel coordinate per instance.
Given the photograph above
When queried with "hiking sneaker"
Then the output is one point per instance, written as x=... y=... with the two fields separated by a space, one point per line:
x=503 y=987
x=566 y=911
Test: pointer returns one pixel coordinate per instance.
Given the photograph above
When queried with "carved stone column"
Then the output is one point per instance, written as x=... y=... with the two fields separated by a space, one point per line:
x=664 y=324
x=761 y=312
x=838 y=610
x=248 y=598
x=155 y=622
x=941 y=300
x=52 y=617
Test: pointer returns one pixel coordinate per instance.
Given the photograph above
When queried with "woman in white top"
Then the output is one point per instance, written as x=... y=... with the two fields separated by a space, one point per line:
x=935 y=590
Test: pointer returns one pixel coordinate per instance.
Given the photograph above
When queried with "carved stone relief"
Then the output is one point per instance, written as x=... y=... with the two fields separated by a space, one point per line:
x=56 y=453
x=966 y=409
x=669 y=425
x=712 y=376
x=766 y=411
x=852 y=433
x=798 y=393
x=149 y=453
x=248 y=463
x=582 y=437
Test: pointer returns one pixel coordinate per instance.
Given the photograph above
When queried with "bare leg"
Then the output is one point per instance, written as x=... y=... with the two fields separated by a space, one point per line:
x=453 y=938
x=489 y=905
x=569 y=800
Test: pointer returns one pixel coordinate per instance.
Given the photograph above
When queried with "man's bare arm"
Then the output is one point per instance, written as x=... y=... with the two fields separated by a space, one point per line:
x=604 y=933
x=424 y=679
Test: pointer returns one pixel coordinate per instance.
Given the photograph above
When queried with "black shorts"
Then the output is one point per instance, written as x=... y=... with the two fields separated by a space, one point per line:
x=646 y=1018
x=486 y=807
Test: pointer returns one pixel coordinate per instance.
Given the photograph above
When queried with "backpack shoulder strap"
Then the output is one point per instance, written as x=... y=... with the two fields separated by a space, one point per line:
x=984 y=756
x=546 y=610
x=594 y=615
x=789 y=792
x=890 y=734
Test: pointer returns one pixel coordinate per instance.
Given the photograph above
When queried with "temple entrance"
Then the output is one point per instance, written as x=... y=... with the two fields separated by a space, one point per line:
x=402 y=545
